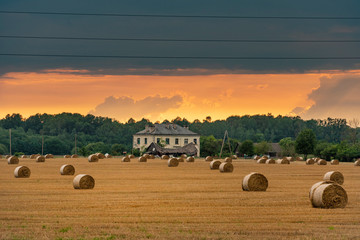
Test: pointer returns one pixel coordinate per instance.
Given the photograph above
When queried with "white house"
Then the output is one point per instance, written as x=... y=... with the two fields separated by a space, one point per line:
x=170 y=134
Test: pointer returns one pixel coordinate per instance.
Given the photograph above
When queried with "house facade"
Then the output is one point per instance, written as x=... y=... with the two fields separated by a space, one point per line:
x=169 y=135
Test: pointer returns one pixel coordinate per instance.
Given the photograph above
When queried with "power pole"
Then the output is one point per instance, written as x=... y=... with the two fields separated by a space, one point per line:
x=226 y=134
x=10 y=139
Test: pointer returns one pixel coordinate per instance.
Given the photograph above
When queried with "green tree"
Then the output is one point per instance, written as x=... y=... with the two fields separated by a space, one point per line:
x=118 y=149
x=247 y=147
x=305 y=142
x=210 y=146
x=262 y=148
x=3 y=149
x=287 y=147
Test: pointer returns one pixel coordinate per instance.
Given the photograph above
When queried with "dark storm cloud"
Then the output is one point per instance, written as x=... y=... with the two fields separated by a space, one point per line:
x=179 y=28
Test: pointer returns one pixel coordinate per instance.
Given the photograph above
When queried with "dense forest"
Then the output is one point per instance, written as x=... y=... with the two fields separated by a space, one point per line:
x=101 y=134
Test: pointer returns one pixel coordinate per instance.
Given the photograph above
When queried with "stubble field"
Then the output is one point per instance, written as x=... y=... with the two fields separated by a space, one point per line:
x=152 y=201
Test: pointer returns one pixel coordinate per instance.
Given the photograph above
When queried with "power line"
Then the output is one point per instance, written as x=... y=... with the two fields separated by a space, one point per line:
x=184 y=40
x=180 y=16
x=175 y=57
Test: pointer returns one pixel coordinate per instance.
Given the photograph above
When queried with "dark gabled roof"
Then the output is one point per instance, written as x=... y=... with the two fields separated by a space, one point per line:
x=155 y=149
x=165 y=129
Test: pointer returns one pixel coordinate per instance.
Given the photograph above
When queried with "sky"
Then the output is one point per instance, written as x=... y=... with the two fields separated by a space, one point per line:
x=164 y=88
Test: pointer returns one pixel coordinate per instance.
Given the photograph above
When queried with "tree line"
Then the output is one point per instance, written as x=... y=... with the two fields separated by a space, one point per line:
x=102 y=134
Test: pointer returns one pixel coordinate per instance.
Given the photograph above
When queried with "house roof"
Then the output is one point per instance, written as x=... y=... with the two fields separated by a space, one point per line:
x=165 y=129
x=155 y=149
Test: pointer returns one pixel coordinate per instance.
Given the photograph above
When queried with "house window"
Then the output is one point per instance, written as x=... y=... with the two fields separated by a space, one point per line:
x=138 y=140
x=167 y=140
x=158 y=140
x=186 y=141
x=176 y=141
x=145 y=140
x=195 y=140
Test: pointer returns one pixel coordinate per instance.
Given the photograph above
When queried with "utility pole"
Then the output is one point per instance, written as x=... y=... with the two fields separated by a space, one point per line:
x=226 y=134
x=42 y=138
x=10 y=139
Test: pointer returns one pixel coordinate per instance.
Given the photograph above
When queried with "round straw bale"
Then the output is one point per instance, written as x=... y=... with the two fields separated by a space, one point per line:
x=357 y=163
x=40 y=159
x=215 y=164
x=291 y=159
x=23 y=156
x=32 y=156
x=49 y=156
x=261 y=161
x=183 y=156
x=7 y=156
x=151 y=156
x=228 y=159
x=190 y=159
x=83 y=181
x=299 y=159
x=142 y=159
x=108 y=155
x=334 y=162
x=328 y=195
x=22 y=172
x=67 y=156
x=13 y=160
x=334 y=176
x=257 y=158
x=74 y=156
x=125 y=159
x=146 y=155
x=209 y=159
x=321 y=162
x=67 y=169
x=173 y=162
x=93 y=158
x=100 y=155
x=283 y=161
x=265 y=157
x=255 y=182
x=131 y=156
x=226 y=167
x=310 y=161
x=180 y=159
x=317 y=159
x=270 y=161
x=165 y=157
x=234 y=157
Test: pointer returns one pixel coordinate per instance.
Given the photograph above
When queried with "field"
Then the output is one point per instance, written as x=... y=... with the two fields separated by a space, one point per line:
x=152 y=201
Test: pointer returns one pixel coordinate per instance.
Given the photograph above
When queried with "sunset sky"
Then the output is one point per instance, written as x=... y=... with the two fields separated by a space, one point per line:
x=160 y=89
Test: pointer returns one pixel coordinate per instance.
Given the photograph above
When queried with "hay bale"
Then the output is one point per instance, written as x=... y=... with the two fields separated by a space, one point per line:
x=74 y=156
x=261 y=161
x=100 y=155
x=265 y=157
x=22 y=156
x=283 y=161
x=32 y=156
x=180 y=159
x=142 y=159
x=270 y=161
x=93 y=158
x=22 y=172
x=49 y=156
x=228 y=159
x=151 y=156
x=147 y=156
x=291 y=159
x=7 y=156
x=321 y=162
x=334 y=162
x=234 y=157
x=357 y=163
x=209 y=159
x=183 y=156
x=13 y=160
x=255 y=182
x=317 y=159
x=226 y=167
x=40 y=159
x=299 y=159
x=67 y=169
x=108 y=155
x=190 y=159
x=310 y=161
x=125 y=159
x=334 y=176
x=257 y=158
x=131 y=156
x=165 y=157
x=67 y=156
x=83 y=181
x=215 y=164
x=173 y=162
x=328 y=195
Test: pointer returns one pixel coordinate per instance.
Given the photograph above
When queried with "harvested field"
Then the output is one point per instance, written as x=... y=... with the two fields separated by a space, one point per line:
x=152 y=201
